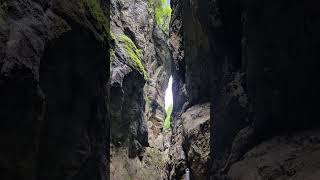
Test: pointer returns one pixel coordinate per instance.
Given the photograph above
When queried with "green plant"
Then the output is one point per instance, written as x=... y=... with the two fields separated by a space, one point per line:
x=162 y=14
x=167 y=121
x=112 y=36
x=134 y=53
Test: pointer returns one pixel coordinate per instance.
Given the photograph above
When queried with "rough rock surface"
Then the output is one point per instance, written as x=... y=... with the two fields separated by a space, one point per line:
x=245 y=58
x=54 y=72
x=196 y=128
x=252 y=64
x=178 y=162
x=265 y=58
x=291 y=157
x=159 y=71
x=151 y=167
x=140 y=70
x=190 y=49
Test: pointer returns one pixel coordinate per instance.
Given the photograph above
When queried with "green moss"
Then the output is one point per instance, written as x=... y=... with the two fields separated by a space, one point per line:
x=168 y=118
x=134 y=53
x=112 y=36
x=162 y=14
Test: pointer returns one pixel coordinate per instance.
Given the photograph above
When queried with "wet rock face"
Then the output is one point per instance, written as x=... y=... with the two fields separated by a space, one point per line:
x=53 y=86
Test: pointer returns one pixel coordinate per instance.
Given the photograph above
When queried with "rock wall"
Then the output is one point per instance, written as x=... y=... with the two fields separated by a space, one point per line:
x=140 y=71
x=253 y=77
x=245 y=90
x=268 y=63
x=279 y=35
x=54 y=73
x=292 y=156
x=191 y=90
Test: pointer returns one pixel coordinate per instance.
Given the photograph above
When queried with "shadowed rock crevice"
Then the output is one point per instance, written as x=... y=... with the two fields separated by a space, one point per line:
x=254 y=62
x=72 y=78
x=245 y=89
x=127 y=107
x=20 y=122
x=54 y=118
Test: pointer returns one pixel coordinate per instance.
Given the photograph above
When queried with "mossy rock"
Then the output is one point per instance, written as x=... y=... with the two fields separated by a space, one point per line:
x=134 y=54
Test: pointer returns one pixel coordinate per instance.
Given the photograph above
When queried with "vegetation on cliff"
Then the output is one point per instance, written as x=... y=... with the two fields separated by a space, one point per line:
x=134 y=53
x=168 y=117
x=162 y=13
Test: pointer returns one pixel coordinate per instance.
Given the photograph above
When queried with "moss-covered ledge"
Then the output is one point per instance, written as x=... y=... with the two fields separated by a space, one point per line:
x=133 y=53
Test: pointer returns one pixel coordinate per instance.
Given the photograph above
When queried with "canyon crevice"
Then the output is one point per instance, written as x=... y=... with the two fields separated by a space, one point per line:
x=53 y=85
x=82 y=89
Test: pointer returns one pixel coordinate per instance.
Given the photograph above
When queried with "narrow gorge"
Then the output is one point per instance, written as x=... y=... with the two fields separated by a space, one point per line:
x=140 y=72
x=159 y=90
